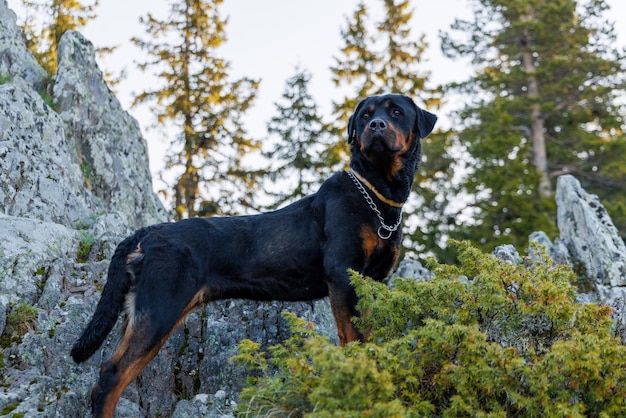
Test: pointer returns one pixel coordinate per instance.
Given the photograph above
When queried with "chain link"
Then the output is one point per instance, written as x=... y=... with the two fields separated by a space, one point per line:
x=372 y=205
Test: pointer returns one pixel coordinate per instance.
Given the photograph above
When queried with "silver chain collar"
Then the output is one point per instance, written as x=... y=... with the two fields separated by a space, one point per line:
x=383 y=226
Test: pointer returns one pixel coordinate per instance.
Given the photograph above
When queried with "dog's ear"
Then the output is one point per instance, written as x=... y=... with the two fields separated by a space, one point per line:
x=352 y=123
x=351 y=130
x=425 y=122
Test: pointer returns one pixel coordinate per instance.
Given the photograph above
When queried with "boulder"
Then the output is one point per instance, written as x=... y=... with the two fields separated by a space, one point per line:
x=507 y=253
x=110 y=148
x=411 y=268
x=15 y=59
x=586 y=230
x=51 y=188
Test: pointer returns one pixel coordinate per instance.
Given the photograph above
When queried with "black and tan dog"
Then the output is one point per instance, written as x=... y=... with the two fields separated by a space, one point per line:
x=298 y=253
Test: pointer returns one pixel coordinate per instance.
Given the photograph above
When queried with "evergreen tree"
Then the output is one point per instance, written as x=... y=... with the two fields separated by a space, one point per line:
x=380 y=57
x=542 y=103
x=300 y=140
x=197 y=97
x=399 y=70
x=47 y=20
x=356 y=66
x=432 y=217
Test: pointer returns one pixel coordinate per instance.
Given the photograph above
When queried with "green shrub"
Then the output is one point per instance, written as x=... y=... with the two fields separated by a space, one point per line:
x=84 y=247
x=486 y=338
x=20 y=320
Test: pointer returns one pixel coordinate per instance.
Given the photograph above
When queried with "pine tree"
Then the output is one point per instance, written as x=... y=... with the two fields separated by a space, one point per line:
x=356 y=66
x=299 y=140
x=381 y=57
x=198 y=98
x=399 y=70
x=430 y=216
x=47 y=20
x=542 y=103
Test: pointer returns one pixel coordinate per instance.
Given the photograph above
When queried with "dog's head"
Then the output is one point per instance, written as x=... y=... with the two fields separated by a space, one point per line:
x=387 y=129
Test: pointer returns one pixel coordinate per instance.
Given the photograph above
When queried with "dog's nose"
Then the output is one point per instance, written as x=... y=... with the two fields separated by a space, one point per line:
x=378 y=124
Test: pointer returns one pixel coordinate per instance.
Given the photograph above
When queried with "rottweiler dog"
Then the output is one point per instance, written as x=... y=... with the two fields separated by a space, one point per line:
x=301 y=252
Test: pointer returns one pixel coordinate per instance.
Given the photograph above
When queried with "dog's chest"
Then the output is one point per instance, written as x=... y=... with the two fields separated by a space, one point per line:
x=380 y=255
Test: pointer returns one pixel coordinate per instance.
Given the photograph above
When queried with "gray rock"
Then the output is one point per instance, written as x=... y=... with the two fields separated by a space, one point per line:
x=206 y=406
x=543 y=241
x=111 y=149
x=15 y=59
x=4 y=306
x=560 y=253
x=541 y=238
x=50 y=188
x=507 y=253
x=589 y=234
x=413 y=269
x=28 y=249
x=557 y=250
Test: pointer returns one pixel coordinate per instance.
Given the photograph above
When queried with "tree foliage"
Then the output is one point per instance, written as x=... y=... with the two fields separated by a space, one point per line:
x=206 y=107
x=299 y=141
x=379 y=57
x=484 y=338
x=542 y=103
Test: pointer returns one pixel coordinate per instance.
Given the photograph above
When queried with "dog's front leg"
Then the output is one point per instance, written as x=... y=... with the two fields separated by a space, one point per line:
x=343 y=302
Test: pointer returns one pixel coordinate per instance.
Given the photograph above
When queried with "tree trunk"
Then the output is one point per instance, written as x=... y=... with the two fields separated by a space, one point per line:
x=537 y=137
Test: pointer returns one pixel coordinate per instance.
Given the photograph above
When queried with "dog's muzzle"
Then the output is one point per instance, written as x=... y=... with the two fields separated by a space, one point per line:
x=379 y=142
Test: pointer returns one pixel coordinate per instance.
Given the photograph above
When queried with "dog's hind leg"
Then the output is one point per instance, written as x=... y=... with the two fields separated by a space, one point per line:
x=165 y=293
x=140 y=344
x=142 y=340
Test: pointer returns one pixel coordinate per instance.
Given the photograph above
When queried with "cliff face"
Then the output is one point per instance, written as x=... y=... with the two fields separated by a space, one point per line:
x=75 y=153
x=74 y=181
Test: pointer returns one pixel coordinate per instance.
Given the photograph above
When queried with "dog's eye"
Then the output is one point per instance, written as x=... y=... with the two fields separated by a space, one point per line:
x=396 y=112
x=365 y=116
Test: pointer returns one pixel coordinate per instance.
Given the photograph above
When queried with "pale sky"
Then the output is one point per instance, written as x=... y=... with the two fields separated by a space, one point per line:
x=267 y=39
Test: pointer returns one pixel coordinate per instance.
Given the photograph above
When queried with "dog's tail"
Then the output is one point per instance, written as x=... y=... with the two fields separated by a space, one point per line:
x=110 y=304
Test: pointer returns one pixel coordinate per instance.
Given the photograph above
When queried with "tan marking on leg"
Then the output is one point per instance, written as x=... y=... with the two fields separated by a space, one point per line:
x=128 y=373
x=201 y=296
x=346 y=330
